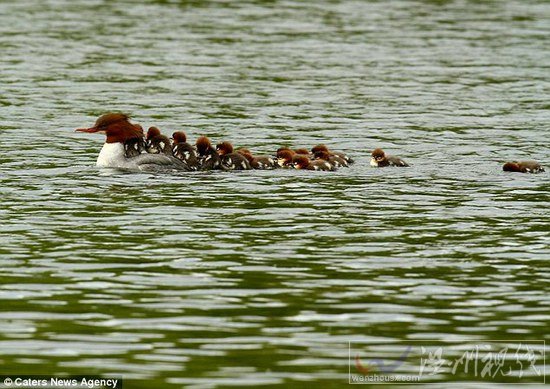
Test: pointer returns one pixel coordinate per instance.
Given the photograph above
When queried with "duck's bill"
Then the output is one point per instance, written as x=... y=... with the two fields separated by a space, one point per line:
x=89 y=130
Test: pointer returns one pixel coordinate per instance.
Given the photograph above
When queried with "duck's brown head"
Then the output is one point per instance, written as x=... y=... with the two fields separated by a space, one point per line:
x=203 y=145
x=152 y=132
x=243 y=151
x=284 y=157
x=378 y=155
x=318 y=148
x=224 y=148
x=179 y=137
x=322 y=155
x=511 y=167
x=300 y=162
x=281 y=151
x=116 y=126
x=302 y=151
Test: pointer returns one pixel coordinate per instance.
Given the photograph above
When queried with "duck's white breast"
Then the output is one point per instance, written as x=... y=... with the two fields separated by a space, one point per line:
x=111 y=155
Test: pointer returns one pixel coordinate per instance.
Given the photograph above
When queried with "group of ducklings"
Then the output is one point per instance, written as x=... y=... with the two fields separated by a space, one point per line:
x=204 y=156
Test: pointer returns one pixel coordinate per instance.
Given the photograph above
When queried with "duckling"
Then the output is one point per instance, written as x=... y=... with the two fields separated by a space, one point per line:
x=322 y=147
x=231 y=160
x=208 y=157
x=284 y=157
x=135 y=146
x=184 y=151
x=523 y=167
x=158 y=143
x=334 y=160
x=260 y=162
x=303 y=162
x=381 y=159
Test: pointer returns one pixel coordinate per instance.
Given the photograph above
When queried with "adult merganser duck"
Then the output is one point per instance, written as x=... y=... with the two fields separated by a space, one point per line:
x=135 y=146
x=259 y=162
x=302 y=162
x=231 y=160
x=523 y=167
x=184 y=151
x=119 y=130
x=381 y=159
x=158 y=143
x=208 y=157
x=323 y=147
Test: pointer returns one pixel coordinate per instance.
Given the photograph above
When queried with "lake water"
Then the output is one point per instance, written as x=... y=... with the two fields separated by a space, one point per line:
x=263 y=278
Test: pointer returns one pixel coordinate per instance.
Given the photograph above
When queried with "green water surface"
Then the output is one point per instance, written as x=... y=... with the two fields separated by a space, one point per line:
x=263 y=278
